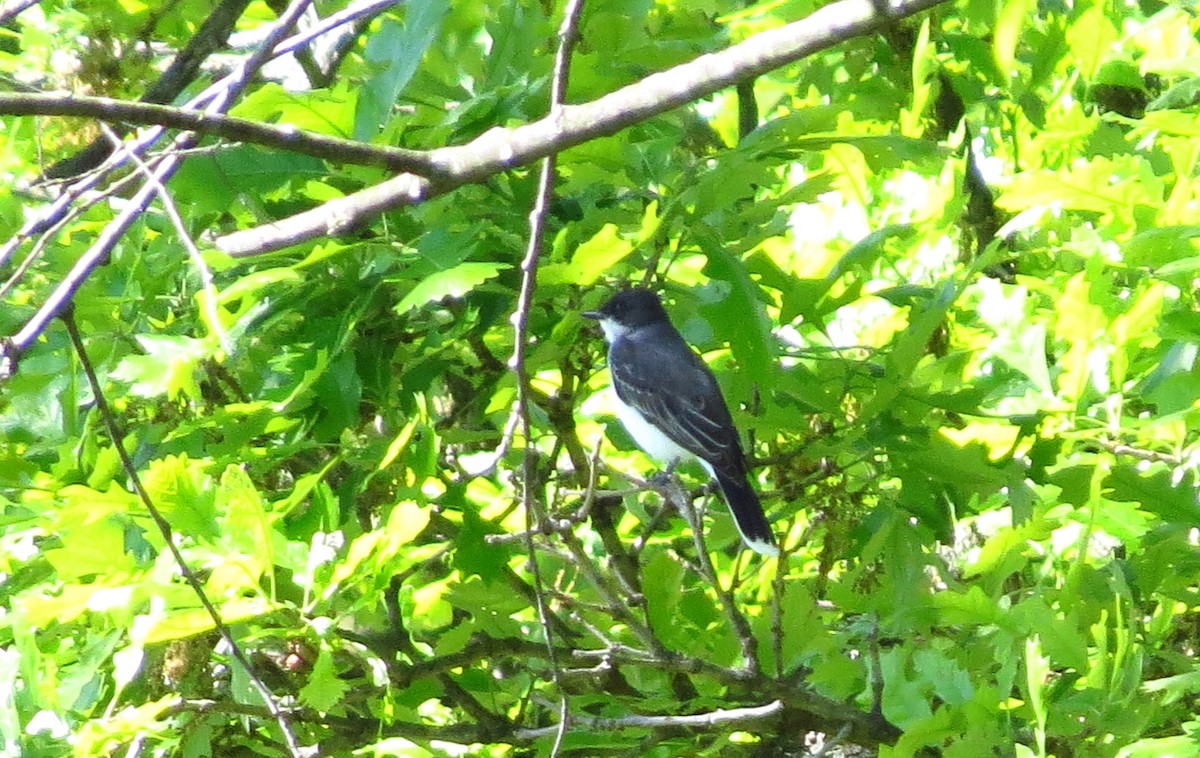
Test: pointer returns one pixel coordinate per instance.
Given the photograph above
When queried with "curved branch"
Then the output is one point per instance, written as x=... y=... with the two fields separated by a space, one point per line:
x=503 y=149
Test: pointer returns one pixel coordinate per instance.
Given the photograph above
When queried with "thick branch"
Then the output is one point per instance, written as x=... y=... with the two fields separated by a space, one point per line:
x=502 y=149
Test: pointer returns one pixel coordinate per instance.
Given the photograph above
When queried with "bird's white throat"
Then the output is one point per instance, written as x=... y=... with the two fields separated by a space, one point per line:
x=612 y=330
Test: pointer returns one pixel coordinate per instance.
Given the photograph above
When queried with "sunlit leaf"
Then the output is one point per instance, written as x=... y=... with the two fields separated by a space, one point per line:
x=168 y=366
x=454 y=282
x=181 y=624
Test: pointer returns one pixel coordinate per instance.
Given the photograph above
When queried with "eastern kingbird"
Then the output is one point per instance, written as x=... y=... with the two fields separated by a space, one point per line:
x=669 y=401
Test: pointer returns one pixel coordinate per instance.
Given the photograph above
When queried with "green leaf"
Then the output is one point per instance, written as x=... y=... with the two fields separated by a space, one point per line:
x=663 y=577
x=454 y=282
x=405 y=522
x=1157 y=747
x=1183 y=94
x=1155 y=491
x=321 y=111
x=1103 y=185
x=181 y=624
x=909 y=349
x=184 y=494
x=168 y=368
x=1012 y=17
x=97 y=548
x=241 y=177
x=324 y=688
x=950 y=680
x=1169 y=250
x=395 y=51
x=592 y=258
x=736 y=316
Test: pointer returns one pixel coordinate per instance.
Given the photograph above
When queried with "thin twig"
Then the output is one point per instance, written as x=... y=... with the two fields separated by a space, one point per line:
x=73 y=213
x=12 y=8
x=209 y=298
x=168 y=535
x=537 y=228
x=876 y=670
x=63 y=208
x=462 y=733
x=778 y=588
x=706 y=570
x=613 y=596
x=830 y=744
x=721 y=716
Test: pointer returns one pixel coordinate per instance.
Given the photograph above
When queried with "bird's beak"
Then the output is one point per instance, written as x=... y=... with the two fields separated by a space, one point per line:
x=593 y=315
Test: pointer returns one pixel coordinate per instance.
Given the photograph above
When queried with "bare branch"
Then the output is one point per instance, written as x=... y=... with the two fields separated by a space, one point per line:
x=721 y=717
x=208 y=290
x=13 y=8
x=351 y=14
x=462 y=733
x=282 y=137
x=503 y=149
x=63 y=208
x=220 y=95
x=534 y=514
x=737 y=620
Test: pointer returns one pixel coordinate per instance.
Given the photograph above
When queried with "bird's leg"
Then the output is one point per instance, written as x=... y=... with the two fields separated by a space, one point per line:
x=663 y=478
x=667 y=484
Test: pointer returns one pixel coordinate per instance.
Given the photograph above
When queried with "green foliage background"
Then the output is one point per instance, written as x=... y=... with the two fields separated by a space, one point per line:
x=974 y=405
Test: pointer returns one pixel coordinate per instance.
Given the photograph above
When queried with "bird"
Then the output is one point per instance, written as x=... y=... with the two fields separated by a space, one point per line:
x=670 y=403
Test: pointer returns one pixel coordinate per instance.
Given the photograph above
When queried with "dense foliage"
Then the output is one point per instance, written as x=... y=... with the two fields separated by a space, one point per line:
x=946 y=275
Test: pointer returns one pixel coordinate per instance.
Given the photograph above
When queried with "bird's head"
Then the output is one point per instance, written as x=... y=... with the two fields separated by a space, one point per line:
x=627 y=310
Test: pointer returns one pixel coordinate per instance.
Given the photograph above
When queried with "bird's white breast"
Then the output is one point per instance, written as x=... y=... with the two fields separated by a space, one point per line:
x=656 y=444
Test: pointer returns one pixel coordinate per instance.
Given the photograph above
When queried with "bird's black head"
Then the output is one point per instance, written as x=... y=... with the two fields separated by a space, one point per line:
x=630 y=309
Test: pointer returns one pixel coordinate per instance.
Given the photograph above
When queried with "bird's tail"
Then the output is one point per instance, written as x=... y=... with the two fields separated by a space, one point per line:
x=747 y=513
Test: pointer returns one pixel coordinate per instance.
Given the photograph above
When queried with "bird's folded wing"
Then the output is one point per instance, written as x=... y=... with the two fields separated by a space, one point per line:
x=677 y=393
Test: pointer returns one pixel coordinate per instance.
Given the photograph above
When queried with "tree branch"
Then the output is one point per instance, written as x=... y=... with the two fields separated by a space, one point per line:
x=503 y=149
x=464 y=733
x=721 y=717
x=210 y=37
x=282 y=137
x=535 y=513
x=13 y=8
x=218 y=97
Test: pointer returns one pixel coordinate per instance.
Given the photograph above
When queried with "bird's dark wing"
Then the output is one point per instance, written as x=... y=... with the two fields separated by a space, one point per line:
x=660 y=376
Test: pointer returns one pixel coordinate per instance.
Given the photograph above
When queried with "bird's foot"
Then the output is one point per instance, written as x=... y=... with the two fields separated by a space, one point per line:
x=663 y=478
